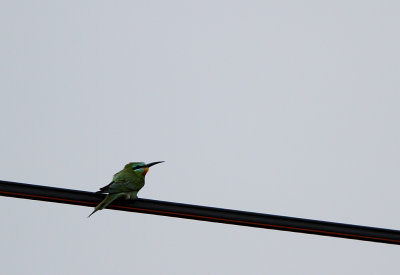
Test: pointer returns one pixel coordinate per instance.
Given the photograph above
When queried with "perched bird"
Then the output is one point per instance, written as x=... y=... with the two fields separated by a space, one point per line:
x=126 y=183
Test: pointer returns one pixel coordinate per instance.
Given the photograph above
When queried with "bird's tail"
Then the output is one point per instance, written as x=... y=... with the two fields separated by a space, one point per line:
x=104 y=203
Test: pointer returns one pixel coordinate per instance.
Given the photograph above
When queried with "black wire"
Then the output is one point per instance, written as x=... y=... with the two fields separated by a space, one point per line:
x=203 y=213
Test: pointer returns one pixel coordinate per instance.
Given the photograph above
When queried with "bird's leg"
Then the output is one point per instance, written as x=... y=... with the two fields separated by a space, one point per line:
x=134 y=195
x=131 y=195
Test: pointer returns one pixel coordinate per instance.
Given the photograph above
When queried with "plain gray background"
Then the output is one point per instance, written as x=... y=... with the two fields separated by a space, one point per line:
x=281 y=107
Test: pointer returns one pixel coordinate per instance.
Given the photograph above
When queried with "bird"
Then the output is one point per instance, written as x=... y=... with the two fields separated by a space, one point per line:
x=126 y=183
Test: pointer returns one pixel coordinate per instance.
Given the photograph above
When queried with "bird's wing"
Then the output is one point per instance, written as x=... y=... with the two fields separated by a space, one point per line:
x=118 y=187
x=116 y=178
x=123 y=181
x=121 y=187
x=105 y=188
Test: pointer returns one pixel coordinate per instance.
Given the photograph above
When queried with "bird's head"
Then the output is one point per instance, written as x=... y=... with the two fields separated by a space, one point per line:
x=141 y=167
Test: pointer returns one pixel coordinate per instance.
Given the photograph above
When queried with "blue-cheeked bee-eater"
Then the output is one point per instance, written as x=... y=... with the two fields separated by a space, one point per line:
x=125 y=184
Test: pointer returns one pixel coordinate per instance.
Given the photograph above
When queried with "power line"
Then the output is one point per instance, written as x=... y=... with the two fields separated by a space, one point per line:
x=202 y=213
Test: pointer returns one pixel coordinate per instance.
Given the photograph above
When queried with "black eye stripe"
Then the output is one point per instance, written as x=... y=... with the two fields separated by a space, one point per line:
x=138 y=167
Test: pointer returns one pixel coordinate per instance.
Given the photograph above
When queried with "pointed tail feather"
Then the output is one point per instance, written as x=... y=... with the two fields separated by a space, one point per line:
x=104 y=203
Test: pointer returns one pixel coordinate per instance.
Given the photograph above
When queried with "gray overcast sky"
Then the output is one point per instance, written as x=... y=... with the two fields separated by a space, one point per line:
x=303 y=96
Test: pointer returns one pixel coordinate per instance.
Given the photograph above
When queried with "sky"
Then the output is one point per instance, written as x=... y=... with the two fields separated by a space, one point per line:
x=280 y=107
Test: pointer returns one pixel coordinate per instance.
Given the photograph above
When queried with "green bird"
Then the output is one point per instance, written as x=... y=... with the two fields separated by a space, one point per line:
x=126 y=183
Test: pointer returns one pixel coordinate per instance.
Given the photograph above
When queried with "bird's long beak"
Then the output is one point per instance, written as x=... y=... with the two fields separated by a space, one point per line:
x=152 y=163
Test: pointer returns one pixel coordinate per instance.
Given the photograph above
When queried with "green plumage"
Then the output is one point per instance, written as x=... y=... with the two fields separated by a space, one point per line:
x=125 y=184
